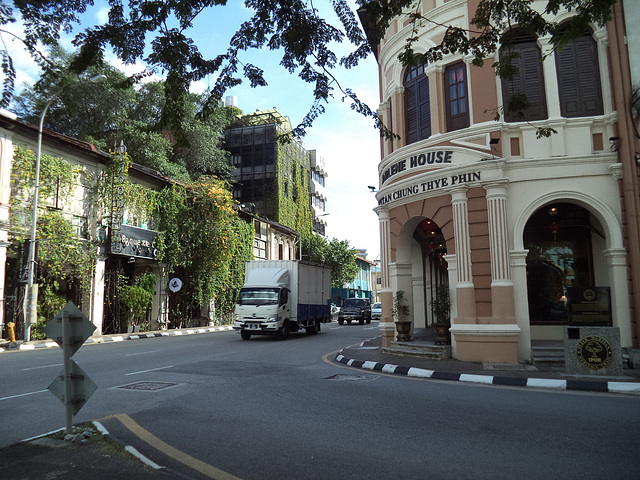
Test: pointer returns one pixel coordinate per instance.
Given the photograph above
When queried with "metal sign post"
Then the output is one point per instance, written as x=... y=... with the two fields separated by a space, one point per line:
x=70 y=328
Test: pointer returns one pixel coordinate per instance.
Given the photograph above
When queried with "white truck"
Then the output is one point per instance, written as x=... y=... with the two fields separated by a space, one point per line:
x=282 y=296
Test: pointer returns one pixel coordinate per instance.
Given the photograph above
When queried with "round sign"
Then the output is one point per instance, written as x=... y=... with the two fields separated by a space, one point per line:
x=594 y=352
x=175 y=284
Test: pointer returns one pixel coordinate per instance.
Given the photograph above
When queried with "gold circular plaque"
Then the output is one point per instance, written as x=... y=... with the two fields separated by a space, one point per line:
x=594 y=352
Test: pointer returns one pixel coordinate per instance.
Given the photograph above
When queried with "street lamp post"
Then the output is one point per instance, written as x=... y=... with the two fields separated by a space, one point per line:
x=32 y=290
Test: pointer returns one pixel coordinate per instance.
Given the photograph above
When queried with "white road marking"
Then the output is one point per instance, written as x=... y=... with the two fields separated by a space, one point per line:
x=23 y=395
x=150 y=370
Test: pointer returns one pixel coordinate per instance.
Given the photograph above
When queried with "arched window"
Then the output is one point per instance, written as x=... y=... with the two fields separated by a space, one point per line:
x=522 y=51
x=417 y=106
x=579 y=78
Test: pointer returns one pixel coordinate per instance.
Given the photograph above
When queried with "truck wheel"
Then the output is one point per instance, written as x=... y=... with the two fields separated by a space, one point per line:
x=245 y=335
x=284 y=331
x=313 y=329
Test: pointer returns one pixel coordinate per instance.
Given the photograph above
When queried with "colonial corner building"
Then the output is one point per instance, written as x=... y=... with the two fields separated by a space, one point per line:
x=524 y=231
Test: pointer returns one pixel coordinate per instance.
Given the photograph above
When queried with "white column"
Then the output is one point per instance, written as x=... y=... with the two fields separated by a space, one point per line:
x=519 y=276
x=498 y=233
x=617 y=266
x=462 y=238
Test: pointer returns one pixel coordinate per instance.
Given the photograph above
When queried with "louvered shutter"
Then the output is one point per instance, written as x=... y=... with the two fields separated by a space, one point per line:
x=527 y=80
x=411 y=112
x=579 y=79
x=424 y=107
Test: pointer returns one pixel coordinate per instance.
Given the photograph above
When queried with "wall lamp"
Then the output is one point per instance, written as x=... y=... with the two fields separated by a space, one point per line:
x=373 y=189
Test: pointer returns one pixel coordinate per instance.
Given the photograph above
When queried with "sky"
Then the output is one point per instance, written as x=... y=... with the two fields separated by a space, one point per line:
x=347 y=141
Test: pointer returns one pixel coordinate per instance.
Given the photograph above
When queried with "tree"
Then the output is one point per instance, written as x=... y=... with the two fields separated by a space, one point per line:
x=157 y=33
x=116 y=111
x=204 y=243
x=336 y=254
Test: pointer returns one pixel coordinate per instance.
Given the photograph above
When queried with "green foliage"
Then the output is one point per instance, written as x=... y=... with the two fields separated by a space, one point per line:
x=203 y=242
x=142 y=31
x=336 y=254
x=49 y=305
x=63 y=257
x=136 y=300
x=441 y=304
x=292 y=172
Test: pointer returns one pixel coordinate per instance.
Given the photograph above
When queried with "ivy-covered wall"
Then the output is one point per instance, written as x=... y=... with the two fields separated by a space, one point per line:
x=292 y=199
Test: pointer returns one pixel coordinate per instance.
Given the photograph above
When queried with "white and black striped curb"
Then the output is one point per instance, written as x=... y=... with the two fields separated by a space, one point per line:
x=121 y=338
x=568 y=384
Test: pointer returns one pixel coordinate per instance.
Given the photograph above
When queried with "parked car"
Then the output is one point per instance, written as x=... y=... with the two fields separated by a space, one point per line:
x=376 y=311
x=355 y=309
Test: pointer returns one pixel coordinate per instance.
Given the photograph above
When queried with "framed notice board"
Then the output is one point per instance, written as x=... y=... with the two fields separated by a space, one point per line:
x=589 y=306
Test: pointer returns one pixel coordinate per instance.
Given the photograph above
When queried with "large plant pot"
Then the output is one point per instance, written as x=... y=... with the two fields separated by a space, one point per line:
x=442 y=334
x=404 y=331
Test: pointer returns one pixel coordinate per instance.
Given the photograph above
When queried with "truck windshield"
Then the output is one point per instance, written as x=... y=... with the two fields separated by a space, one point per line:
x=259 y=296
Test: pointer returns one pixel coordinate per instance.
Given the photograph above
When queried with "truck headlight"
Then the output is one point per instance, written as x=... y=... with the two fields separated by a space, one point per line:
x=272 y=318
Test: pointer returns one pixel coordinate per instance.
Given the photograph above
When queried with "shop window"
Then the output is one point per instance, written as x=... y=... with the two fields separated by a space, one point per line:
x=579 y=78
x=417 y=105
x=456 y=97
x=527 y=80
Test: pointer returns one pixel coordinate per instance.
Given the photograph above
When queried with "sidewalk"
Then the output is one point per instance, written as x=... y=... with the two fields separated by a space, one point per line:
x=369 y=356
x=91 y=454
x=38 y=344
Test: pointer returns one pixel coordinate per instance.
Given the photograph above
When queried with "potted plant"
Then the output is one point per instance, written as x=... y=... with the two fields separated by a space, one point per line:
x=441 y=309
x=401 y=312
x=136 y=299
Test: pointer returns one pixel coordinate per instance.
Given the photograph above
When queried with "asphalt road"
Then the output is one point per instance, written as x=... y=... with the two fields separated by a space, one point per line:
x=215 y=406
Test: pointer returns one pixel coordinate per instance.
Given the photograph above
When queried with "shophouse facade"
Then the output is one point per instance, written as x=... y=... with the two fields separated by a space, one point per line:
x=131 y=252
x=514 y=224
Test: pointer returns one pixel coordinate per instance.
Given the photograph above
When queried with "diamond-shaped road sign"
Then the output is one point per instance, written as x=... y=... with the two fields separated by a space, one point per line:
x=79 y=328
x=82 y=387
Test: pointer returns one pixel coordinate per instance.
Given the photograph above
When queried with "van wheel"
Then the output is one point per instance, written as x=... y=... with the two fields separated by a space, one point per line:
x=245 y=335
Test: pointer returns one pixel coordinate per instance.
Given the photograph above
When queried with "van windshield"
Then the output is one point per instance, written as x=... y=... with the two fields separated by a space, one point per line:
x=258 y=296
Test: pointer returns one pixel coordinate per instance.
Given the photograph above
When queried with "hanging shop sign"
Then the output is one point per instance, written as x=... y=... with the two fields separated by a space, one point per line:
x=135 y=242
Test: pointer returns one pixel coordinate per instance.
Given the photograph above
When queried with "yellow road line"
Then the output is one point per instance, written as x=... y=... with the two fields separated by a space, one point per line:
x=146 y=436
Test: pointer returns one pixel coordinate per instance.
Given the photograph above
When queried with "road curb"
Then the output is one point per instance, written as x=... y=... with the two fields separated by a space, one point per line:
x=556 y=384
x=40 y=344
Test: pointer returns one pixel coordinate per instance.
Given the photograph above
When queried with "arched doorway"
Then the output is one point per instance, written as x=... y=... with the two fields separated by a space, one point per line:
x=566 y=245
x=433 y=248
x=420 y=267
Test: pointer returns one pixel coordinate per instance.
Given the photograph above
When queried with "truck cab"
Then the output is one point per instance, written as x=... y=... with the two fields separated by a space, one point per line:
x=262 y=310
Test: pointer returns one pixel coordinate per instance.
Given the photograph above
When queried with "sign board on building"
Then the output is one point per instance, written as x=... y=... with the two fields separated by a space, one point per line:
x=589 y=306
x=134 y=242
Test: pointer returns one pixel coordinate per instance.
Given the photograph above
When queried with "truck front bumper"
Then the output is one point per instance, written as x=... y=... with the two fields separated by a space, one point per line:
x=256 y=328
